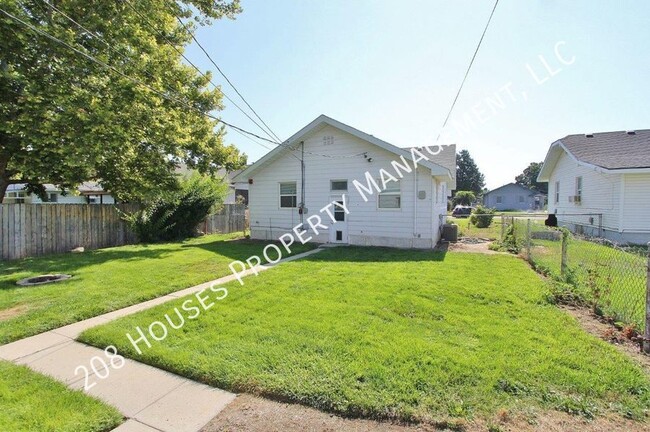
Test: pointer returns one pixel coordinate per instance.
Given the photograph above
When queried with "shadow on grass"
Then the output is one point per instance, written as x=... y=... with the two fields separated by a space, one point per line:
x=369 y=254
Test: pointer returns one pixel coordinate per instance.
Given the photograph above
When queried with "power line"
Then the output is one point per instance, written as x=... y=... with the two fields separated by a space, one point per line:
x=135 y=80
x=225 y=77
x=238 y=129
x=171 y=44
x=478 y=46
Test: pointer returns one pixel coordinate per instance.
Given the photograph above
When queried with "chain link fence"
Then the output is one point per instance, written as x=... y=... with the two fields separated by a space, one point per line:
x=613 y=278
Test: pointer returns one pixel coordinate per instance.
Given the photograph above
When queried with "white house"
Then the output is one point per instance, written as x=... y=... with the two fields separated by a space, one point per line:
x=513 y=196
x=86 y=193
x=329 y=162
x=600 y=184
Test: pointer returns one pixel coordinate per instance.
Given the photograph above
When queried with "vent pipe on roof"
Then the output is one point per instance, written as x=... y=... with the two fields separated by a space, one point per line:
x=630 y=132
x=589 y=135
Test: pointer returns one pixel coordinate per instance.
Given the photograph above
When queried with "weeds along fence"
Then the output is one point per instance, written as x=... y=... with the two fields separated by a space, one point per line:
x=612 y=278
x=39 y=229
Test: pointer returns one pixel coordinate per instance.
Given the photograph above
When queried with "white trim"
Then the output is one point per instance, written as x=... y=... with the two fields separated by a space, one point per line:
x=621 y=207
x=280 y=195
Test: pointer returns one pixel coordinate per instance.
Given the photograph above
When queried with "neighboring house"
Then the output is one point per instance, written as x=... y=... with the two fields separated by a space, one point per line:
x=327 y=156
x=86 y=193
x=599 y=184
x=514 y=196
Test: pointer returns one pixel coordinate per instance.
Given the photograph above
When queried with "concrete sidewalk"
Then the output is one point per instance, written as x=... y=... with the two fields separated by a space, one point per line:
x=150 y=398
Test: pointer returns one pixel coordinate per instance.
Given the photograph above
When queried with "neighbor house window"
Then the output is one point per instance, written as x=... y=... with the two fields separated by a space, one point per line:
x=557 y=192
x=499 y=199
x=288 y=195
x=521 y=198
x=16 y=197
x=579 y=189
x=338 y=185
x=53 y=197
x=390 y=198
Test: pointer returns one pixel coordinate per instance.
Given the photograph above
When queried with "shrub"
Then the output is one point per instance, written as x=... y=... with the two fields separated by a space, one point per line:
x=482 y=217
x=175 y=215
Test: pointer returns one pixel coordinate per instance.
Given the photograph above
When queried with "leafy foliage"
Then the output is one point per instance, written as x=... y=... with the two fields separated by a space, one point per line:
x=464 y=198
x=65 y=119
x=482 y=217
x=468 y=176
x=529 y=178
x=176 y=214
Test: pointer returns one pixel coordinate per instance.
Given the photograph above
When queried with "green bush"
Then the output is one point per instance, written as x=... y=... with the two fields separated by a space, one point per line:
x=482 y=217
x=176 y=214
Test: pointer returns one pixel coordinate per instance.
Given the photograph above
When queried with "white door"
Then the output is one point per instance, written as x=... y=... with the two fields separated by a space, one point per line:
x=339 y=228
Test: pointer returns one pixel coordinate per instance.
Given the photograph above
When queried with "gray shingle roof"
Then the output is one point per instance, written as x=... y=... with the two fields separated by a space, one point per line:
x=611 y=150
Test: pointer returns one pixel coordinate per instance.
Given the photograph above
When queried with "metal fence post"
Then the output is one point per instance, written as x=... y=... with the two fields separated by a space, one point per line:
x=563 y=265
x=646 y=335
x=503 y=227
x=528 y=240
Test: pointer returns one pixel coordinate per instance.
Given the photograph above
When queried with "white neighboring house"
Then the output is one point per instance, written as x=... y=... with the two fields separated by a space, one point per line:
x=327 y=156
x=86 y=193
x=599 y=184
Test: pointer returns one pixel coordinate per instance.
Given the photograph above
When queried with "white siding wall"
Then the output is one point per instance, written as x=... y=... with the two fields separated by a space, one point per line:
x=600 y=194
x=636 y=204
x=367 y=225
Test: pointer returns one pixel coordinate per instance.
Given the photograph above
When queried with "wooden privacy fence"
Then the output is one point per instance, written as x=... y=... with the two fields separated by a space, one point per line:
x=38 y=229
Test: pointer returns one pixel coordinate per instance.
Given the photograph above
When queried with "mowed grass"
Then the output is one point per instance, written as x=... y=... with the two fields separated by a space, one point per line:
x=108 y=279
x=466 y=229
x=383 y=333
x=33 y=402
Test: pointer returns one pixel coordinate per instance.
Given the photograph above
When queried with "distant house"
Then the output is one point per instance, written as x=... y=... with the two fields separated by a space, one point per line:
x=238 y=191
x=513 y=196
x=600 y=184
x=86 y=193
x=318 y=166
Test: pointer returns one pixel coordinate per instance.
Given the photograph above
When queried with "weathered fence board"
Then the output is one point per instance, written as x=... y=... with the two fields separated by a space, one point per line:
x=38 y=229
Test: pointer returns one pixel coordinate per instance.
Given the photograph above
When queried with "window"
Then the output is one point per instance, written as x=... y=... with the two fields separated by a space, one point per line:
x=288 y=195
x=53 y=197
x=578 y=189
x=521 y=198
x=390 y=198
x=338 y=185
x=557 y=192
x=499 y=199
x=339 y=213
x=16 y=197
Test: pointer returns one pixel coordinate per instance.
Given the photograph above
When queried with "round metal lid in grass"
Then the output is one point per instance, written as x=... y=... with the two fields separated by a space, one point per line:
x=43 y=279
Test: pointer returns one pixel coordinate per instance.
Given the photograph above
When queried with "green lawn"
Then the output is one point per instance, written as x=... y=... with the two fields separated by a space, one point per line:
x=108 y=279
x=466 y=229
x=33 y=402
x=384 y=333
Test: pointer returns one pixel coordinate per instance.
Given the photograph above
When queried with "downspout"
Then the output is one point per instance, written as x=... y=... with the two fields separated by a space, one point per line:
x=415 y=201
x=302 y=181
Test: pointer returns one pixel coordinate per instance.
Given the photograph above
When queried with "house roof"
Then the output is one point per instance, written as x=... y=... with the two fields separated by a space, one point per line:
x=322 y=120
x=604 y=151
x=530 y=191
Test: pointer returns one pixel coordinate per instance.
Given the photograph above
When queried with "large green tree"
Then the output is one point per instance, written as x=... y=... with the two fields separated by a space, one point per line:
x=529 y=178
x=468 y=176
x=65 y=119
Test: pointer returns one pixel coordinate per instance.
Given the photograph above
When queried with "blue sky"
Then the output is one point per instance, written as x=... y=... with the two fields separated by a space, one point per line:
x=392 y=70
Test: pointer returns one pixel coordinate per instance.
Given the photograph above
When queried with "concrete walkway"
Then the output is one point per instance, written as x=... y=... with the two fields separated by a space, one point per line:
x=151 y=399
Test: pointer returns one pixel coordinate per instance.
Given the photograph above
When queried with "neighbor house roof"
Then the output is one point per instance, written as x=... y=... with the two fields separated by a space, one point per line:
x=604 y=151
x=322 y=120
x=524 y=188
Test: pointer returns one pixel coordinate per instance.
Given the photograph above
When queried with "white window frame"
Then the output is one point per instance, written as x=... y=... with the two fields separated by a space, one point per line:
x=389 y=191
x=338 y=190
x=557 y=192
x=579 y=187
x=280 y=194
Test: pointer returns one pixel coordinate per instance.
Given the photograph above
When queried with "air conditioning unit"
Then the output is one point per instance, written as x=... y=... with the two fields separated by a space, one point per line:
x=575 y=199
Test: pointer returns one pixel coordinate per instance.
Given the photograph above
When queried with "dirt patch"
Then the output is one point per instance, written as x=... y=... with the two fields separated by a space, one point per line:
x=609 y=333
x=13 y=312
x=470 y=245
x=253 y=414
